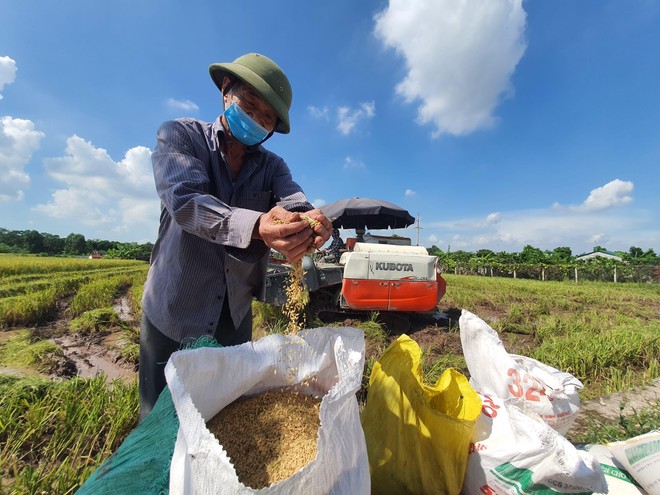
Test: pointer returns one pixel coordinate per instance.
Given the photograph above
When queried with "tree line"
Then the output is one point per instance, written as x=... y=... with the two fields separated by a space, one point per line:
x=531 y=255
x=634 y=265
x=34 y=242
x=42 y=243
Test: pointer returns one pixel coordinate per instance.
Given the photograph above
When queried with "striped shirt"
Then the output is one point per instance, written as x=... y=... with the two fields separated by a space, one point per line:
x=205 y=249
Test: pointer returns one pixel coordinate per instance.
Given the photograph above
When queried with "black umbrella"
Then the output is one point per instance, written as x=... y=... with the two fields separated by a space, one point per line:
x=361 y=213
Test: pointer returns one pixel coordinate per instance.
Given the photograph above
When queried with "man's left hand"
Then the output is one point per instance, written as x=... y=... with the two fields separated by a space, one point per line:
x=323 y=230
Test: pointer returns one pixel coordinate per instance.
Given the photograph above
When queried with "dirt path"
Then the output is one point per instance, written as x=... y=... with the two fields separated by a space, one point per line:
x=626 y=403
x=92 y=358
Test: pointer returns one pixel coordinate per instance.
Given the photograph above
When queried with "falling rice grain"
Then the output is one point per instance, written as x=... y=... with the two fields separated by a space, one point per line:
x=297 y=295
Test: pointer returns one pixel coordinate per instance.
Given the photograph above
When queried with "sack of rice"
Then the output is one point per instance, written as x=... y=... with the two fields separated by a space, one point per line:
x=533 y=387
x=278 y=415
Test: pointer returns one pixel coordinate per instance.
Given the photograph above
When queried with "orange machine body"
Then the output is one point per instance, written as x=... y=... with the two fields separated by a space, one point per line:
x=391 y=278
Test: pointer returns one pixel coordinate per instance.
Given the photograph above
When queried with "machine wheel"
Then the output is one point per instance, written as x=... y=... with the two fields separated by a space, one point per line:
x=324 y=305
x=395 y=323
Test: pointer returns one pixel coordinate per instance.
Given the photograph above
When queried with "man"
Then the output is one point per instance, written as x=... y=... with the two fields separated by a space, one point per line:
x=225 y=201
x=337 y=246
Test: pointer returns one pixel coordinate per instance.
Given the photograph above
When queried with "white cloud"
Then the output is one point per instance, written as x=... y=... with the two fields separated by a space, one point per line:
x=599 y=238
x=7 y=72
x=595 y=222
x=318 y=203
x=18 y=141
x=318 y=113
x=614 y=193
x=494 y=217
x=348 y=118
x=410 y=192
x=459 y=57
x=352 y=164
x=185 y=105
x=99 y=192
x=549 y=228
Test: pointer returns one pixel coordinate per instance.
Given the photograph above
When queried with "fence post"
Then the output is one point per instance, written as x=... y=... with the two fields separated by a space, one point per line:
x=514 y=273
x=615 y=274
x=576 y=278
x=543 y=274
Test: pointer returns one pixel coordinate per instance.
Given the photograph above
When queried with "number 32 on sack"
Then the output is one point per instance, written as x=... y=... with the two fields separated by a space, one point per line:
x=527 y=386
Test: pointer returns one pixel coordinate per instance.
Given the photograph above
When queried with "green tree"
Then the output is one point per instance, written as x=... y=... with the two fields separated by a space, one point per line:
x=461 y=256
x=75 y=244
x=53 y=244
x=532 y=255
x=561 y=255
x=33 y=241
x=485 y=254
x=506 y=258
x=650 y=257
x=10 y=238
x=635 y=252
x=435 y=251
x=131 y=251
x=101 y=246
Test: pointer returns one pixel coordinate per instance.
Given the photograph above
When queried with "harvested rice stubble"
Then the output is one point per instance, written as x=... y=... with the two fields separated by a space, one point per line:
x=270 y=436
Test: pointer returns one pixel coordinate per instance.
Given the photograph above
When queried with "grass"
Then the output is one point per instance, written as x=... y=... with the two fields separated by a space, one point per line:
x=95 y=321
x=605 y=334
x=36 y=301
x=99 y=292
x=432 y=367
x=23 y=352
x=599 y=431
x=54 y=433
x=11 y=265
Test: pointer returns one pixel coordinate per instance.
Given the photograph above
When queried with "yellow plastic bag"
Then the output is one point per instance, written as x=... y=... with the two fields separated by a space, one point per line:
x=418 y=436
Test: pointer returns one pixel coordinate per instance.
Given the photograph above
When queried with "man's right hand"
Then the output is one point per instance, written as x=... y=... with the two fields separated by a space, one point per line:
x=285 y=232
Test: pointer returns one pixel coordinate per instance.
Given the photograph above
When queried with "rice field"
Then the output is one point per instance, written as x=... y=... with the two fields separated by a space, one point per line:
x=56 y=428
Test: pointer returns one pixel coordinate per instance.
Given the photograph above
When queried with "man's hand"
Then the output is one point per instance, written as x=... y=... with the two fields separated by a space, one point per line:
x=323 y=230
x=288 y=233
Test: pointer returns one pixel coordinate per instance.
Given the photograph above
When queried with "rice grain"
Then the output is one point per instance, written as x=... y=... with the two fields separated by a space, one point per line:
x=270 y=436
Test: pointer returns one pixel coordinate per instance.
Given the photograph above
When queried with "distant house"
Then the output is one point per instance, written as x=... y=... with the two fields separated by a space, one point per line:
x=608 y=255
x=95 y=255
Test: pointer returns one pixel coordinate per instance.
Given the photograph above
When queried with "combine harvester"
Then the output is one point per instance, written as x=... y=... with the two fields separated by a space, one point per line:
x=386 y=274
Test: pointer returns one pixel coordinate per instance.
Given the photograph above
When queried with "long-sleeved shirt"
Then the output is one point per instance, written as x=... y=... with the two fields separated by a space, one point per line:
x=205 y=249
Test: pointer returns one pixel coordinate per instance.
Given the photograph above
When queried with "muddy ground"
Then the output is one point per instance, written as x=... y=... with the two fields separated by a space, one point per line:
x=90 y=355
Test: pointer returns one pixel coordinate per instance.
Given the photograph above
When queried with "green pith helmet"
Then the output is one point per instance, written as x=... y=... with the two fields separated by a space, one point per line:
x=266 y=77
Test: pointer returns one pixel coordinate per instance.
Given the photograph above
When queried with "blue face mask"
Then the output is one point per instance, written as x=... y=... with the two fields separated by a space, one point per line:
x=243 y=127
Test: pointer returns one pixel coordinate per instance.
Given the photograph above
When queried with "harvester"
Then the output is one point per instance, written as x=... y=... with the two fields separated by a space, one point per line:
x=386 y=274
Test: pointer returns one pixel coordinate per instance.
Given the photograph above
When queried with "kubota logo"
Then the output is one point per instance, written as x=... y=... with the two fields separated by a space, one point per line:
x=399 y=267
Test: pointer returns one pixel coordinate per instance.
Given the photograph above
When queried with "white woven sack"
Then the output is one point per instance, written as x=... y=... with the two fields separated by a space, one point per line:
x=515 y=454
x=534 y=387
x=640 y=456
x=619 y=481
x=203 y=381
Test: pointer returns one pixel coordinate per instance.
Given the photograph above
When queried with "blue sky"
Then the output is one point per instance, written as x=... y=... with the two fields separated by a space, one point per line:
x=498 y=123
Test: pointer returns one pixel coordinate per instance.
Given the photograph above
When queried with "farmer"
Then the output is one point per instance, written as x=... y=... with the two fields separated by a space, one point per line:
x=225 y=201
x=337 y=246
